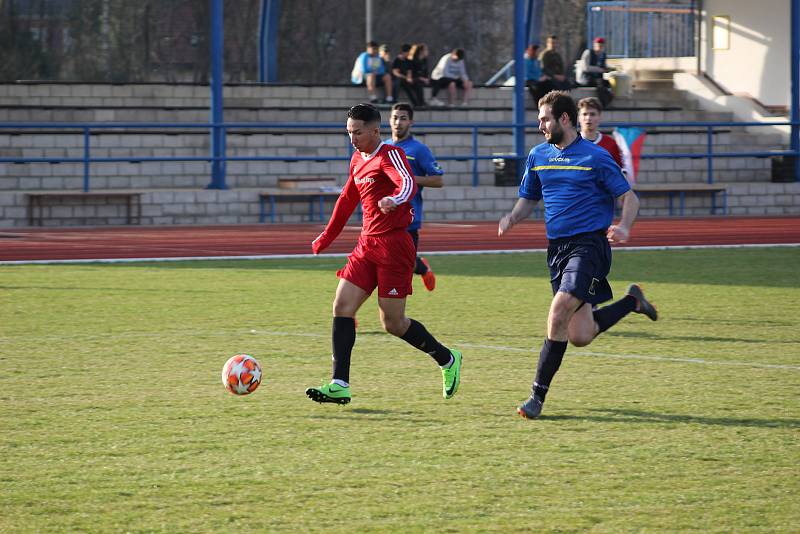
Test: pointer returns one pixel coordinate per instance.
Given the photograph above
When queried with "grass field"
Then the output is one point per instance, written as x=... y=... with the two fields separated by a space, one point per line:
x=113 y=417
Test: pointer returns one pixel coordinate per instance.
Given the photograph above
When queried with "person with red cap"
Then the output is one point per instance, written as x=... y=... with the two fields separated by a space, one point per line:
x=589 y=70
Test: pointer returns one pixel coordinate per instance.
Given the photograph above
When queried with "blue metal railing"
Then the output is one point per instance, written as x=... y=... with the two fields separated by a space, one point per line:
x=505 y=72
x=474 y=156
x=633 y=29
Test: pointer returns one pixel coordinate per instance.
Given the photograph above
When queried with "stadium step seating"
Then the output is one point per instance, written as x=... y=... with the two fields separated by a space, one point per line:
x=105 y=104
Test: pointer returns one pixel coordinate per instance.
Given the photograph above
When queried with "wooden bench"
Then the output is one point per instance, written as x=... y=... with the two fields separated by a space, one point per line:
x=315 y=189
x=671 y=190
x=38 y=203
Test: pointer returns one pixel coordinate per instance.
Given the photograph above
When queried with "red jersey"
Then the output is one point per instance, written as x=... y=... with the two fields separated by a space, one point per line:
x=384 y=173
x=607 y=142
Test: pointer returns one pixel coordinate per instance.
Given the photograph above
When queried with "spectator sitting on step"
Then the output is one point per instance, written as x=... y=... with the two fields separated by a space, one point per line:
x=589 y=70
x=552 y=65
x=386 y=56
x=403 y=73
x=451 y=73
x=419 y=59
x=534 y=79
x=368 y=69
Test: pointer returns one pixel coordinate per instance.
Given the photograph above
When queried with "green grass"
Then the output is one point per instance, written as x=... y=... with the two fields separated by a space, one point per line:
x=113 y=417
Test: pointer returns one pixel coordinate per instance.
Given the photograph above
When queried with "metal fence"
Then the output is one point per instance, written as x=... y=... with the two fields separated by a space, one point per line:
x=86 y=159
x=642 y=30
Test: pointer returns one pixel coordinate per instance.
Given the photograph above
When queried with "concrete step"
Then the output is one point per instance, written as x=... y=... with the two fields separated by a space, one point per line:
x=452 y=203
x=135 y=96
x=326 y=115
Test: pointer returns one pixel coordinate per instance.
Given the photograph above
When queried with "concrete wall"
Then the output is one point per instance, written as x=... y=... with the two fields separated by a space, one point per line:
x=454 y=203
x=757 y=60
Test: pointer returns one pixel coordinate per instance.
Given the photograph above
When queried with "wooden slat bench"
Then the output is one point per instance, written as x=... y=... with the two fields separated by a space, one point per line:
x=38 y=203
x=671 y=190
x=315 y=189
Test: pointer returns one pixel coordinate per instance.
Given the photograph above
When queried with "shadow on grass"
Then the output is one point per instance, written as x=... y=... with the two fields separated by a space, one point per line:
x=358 y=413
x=640 y=416
x=729 y=322
x=698 y=339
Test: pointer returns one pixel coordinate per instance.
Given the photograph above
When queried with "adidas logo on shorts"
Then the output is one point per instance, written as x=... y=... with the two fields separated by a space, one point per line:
x=393 y=291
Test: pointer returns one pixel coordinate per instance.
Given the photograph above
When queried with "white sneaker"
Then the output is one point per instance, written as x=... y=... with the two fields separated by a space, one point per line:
x=435 y=102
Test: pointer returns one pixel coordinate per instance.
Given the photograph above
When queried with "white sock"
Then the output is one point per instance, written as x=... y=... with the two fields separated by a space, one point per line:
x=340 y=383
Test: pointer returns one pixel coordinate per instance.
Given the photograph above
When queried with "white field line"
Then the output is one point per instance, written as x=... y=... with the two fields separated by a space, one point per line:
x=498 y=348
x=342 y=255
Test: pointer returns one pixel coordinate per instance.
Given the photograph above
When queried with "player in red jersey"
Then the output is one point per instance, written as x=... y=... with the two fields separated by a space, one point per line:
x=589 y=114
x=380 y=178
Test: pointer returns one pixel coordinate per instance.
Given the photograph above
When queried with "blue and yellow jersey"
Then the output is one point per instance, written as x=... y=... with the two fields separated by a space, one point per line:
x=423 y=163
x=578 y=186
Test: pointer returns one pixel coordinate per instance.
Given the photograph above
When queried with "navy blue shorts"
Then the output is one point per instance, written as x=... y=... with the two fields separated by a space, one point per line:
x=579 y=265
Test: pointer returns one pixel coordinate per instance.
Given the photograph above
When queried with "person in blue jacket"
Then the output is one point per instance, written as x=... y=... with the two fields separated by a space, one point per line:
x=427 y=173
x=368 y=70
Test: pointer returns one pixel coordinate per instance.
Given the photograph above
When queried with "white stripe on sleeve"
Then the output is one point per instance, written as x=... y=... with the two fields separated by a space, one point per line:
x=408 y=181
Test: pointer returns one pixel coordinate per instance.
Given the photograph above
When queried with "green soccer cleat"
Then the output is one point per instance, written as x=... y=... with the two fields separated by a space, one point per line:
x=451 y=377
x=329 y=393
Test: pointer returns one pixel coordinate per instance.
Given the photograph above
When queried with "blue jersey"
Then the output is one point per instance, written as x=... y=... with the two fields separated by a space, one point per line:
x=578 y=185
x=423 y=163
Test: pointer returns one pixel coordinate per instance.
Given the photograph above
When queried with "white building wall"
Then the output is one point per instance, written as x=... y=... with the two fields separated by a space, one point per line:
x=757 y=60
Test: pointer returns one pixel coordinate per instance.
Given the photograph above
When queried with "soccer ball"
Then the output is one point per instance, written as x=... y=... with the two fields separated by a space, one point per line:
x=241 y=374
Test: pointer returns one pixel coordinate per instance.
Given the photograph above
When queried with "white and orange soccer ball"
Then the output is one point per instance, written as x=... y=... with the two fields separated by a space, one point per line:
x=241 y=374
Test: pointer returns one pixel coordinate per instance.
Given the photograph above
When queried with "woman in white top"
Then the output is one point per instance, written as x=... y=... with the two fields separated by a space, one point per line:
x=451 y=73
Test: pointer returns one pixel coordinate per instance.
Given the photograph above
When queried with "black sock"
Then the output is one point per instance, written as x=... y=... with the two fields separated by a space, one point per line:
x=343 y=339
x=549 y=361
x=420 y=268
x=419 y=337
x=610 y=315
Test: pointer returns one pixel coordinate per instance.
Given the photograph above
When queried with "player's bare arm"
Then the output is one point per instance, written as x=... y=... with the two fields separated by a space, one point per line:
x=521 y=210
x=620 y=232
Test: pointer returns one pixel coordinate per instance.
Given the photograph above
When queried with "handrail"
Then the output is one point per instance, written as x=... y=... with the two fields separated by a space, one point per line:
x=502 y=72
x=474 y=156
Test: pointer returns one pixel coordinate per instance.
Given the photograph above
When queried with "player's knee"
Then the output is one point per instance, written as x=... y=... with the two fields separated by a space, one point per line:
x=580 y=340
x=559 y=317
x=341 y=309
x=395 y=326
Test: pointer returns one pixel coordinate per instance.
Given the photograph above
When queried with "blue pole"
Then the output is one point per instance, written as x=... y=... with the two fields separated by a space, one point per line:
x=475 y=156
x=217 y=131
x=86 y=139
x=795 y=92
x=627 y=23
x=262 y=31
x=519 y=85
x=528 y=19
x=268 y=41
x=710 y=150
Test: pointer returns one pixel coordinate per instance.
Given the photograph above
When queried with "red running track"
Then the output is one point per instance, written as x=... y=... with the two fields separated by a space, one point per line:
x=266 y=239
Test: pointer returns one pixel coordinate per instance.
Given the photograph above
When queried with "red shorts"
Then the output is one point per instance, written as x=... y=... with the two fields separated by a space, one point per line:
x=385 y=261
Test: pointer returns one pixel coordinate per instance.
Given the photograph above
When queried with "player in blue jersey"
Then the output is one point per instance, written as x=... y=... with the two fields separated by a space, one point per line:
x=579 y=183
x=427 y=173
